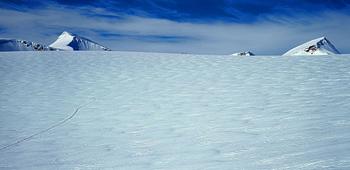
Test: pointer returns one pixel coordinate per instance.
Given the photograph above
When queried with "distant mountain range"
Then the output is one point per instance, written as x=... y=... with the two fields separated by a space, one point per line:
x=65 y=42
x=72 y=42
x=22 y=45
x=318 y=46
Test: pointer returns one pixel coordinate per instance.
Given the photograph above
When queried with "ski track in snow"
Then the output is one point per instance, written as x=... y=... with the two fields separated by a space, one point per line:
x=45 y=130
x=170 y=111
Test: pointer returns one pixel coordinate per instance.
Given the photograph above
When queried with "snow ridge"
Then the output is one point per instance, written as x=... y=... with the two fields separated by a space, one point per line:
x=246 y=53
x=319 y=46
x=22 y=45
x=72 y=42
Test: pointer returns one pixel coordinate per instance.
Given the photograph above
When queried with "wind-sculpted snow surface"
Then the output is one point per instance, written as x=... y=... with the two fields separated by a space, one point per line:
x=168 y=111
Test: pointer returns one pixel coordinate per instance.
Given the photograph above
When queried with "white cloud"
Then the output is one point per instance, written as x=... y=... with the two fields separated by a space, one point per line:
x=212 y=38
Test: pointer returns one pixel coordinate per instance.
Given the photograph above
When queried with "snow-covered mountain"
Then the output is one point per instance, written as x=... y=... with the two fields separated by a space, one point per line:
x=66 y=42
x=319 y=46
x=246 y=53
x=71 y=42
x=22 y=45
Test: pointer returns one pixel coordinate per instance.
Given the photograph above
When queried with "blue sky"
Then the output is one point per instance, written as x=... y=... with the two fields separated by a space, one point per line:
x=189 y=26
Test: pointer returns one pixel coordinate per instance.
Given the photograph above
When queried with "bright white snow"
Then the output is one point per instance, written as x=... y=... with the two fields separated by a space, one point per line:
x=71 y=42
x=169 y=111
x=319 y=46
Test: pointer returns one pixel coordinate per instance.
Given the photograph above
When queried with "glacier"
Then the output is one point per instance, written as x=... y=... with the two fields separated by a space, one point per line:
x=174 y=111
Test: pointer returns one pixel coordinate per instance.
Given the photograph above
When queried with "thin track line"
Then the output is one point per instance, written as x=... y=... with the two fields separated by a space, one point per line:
x=49 y=128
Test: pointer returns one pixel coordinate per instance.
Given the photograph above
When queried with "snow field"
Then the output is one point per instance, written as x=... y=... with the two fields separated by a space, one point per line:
x=170 y=111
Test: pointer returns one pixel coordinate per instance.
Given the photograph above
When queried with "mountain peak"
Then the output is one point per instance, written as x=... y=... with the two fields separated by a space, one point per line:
x=72 y=42
x=246 y=53
x=318 y=46
x=322 y=38
x=65 y=33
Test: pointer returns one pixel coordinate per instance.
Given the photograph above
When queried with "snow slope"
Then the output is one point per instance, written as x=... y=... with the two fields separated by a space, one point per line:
x=169 y=111
x=71 y=42
x=21 y=45
x=319 y=46
x=247 y=53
